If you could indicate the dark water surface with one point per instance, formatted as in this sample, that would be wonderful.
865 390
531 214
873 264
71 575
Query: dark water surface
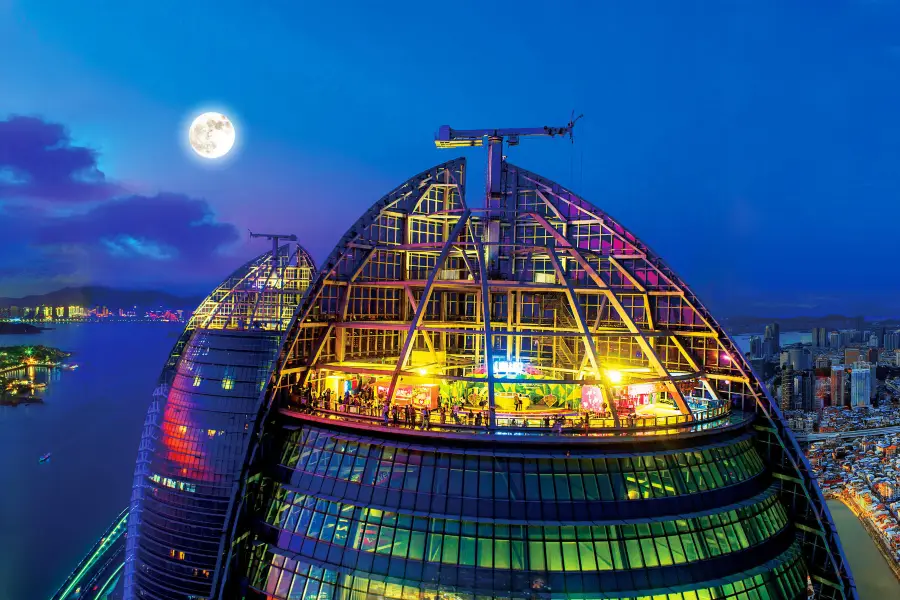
51 514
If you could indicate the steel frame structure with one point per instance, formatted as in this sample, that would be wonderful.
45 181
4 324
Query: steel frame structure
426 280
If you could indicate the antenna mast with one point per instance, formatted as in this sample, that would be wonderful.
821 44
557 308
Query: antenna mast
274 237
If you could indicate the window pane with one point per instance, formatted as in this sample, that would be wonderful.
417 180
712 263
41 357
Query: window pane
485 552
536 556
501 554
554 556
570 556
451 549
417 545
467 551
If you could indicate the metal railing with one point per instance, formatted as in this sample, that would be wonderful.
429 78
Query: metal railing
476 420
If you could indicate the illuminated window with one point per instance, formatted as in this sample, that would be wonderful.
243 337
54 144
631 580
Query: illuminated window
228 379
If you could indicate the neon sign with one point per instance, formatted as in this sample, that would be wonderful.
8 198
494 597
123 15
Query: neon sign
509 367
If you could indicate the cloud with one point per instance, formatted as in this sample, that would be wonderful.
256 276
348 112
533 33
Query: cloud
38 161
90 231
167 227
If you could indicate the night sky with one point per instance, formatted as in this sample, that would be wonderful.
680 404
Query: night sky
755 145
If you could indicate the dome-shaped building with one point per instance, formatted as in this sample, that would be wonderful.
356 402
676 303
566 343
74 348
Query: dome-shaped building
513 397
507 396
198 432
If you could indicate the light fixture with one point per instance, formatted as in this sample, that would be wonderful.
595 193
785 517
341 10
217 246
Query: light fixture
614 376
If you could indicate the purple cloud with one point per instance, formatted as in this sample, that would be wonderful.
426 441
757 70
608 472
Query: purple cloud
89 233
37 160
165 227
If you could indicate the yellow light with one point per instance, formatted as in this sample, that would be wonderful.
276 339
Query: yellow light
614 376
423 372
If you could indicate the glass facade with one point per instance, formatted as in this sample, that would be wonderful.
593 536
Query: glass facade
515 398
783 577
511 400
489 522
198 429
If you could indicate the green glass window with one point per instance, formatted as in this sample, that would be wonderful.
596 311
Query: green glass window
570 556
536 556
501 554
485 552
467 551
450 553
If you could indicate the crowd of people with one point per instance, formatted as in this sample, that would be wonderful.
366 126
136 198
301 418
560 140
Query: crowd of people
449 412
472 412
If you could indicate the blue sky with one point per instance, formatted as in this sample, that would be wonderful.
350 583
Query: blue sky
754 145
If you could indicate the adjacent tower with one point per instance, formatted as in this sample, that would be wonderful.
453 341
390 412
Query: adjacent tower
200 427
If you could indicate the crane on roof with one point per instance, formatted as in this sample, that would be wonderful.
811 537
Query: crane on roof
288 237
448 137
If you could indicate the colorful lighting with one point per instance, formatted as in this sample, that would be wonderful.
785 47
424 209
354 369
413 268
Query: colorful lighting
614 376
509 367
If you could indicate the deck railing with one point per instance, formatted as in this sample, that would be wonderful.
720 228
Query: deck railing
560 422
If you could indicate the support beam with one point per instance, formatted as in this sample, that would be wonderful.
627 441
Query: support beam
646 349
423 302
488 337
589 347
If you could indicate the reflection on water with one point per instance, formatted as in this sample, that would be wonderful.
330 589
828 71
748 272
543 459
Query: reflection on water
90 420
874 578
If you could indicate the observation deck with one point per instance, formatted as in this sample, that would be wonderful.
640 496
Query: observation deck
534 427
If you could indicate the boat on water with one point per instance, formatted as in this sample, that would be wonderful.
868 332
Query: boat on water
44 458
68 367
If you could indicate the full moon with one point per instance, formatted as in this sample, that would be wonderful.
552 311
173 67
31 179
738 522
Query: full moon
211 135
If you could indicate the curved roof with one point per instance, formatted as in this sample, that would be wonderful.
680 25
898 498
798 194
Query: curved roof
428 286
199 427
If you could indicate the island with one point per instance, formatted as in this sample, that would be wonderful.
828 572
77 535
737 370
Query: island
15 391
9 328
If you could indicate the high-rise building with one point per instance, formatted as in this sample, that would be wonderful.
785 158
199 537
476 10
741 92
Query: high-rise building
847 337
860 323
756 346
891 340
787 389
852 355
861 384
872 355
873 341
834 339
199 430
799 357
434 297
838 386
879 336
773 338
819 337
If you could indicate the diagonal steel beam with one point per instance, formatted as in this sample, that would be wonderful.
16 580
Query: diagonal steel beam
488 337
587 338
647 350
423 301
